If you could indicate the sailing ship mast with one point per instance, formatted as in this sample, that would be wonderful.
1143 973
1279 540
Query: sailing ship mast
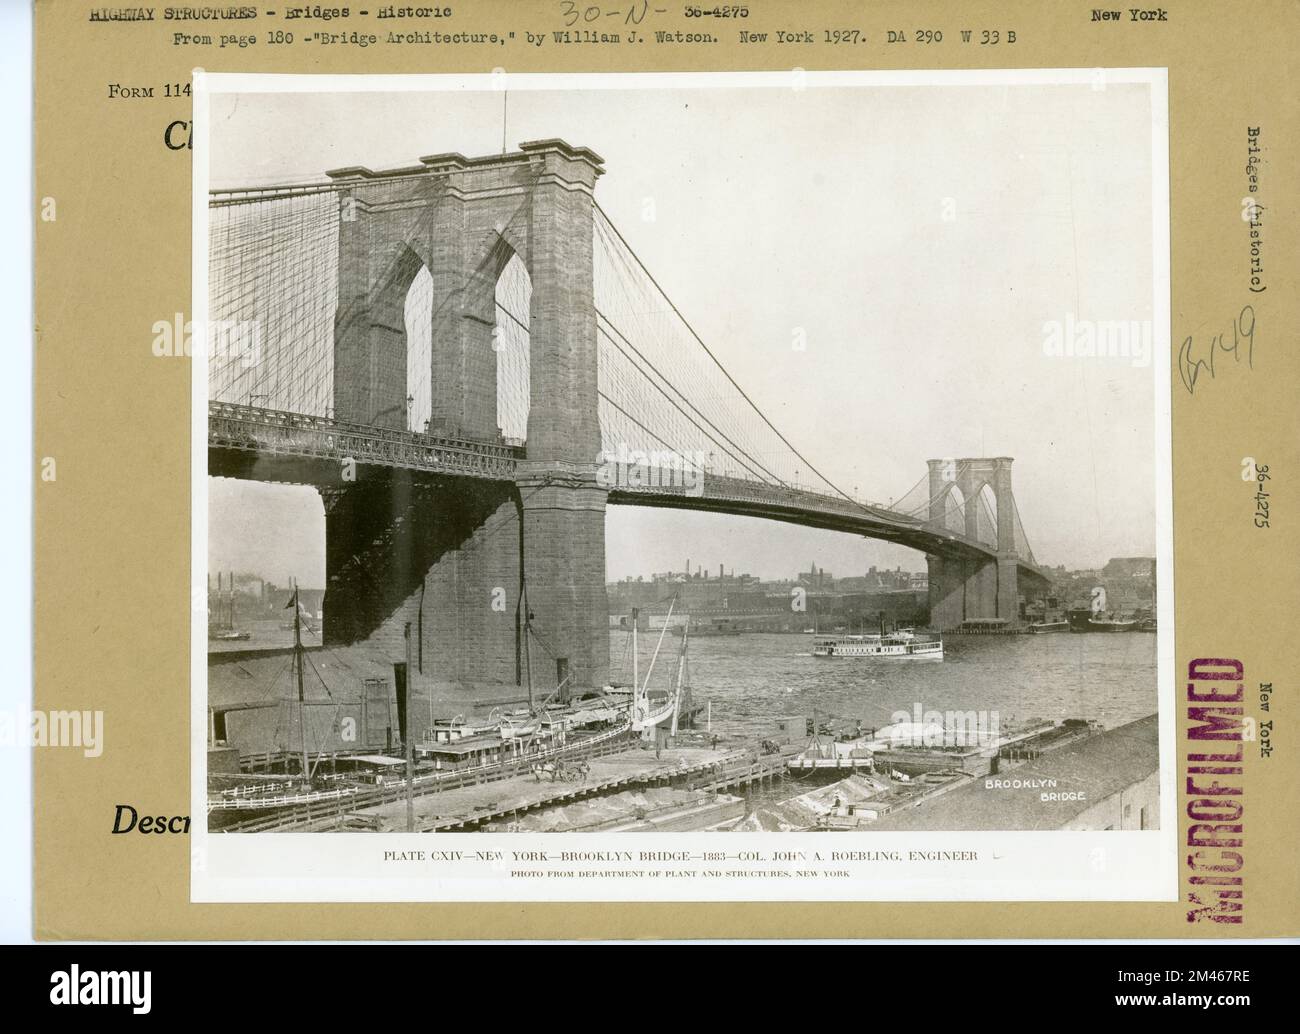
636 671
658 643
681 672
297 665
528 648
641 692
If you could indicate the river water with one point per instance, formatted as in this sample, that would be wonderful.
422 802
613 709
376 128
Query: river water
752 679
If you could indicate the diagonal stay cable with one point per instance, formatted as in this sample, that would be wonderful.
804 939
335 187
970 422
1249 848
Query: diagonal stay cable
682 396
635 420
686 323
673 403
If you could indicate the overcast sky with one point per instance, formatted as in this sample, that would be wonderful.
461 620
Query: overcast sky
921 237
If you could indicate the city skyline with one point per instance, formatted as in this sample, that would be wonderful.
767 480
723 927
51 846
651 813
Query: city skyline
290 539
690 567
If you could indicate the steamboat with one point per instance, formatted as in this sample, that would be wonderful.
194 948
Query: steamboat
900 644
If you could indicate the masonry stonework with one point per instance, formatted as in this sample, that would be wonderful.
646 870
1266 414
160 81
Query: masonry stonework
443 557
967 588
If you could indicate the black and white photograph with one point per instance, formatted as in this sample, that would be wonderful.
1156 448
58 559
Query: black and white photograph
722 455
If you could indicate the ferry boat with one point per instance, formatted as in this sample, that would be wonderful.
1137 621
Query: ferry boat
901 643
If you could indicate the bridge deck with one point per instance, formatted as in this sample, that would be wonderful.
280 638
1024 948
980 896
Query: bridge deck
273 445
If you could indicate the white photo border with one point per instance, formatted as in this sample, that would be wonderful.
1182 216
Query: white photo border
1111 865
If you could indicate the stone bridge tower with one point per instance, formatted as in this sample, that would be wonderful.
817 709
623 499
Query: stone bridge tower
974 587
452 558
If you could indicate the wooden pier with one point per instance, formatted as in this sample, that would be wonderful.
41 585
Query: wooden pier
690 768
472 800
